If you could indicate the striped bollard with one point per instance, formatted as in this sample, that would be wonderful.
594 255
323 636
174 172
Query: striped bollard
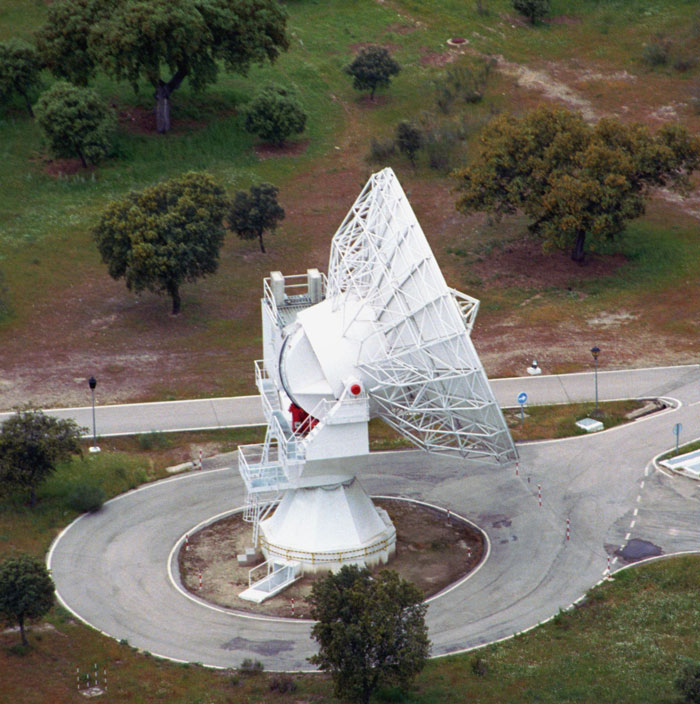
517 468
200 460
77 677
187 542
469 552
568 529
539 494
200 580
449 514
292 607
104 678
608 565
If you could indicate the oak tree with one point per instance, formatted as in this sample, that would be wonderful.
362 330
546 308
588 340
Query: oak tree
372 68
371 631
161 41
275 114
579 184
255 212
26 590
31 445
75 122
20 68
165 235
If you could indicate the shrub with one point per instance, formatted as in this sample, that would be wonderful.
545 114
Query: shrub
478 666
75 122
462 84
86 498
251 667
441 147
153 440
657 51
688 682
283 684
380 150
534 10
409 139
275 114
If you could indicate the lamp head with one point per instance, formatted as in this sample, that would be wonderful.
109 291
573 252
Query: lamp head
595 351
92 382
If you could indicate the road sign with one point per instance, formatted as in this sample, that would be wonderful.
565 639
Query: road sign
677 429
522 398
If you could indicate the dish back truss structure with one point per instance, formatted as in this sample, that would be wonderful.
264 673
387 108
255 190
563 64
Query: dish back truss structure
382 336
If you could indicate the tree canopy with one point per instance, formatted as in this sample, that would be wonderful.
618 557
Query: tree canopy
161 41
579 184
31 444
165 235
75 122
255 212
20 68
534 10
371 631
26 590
372 68
275 114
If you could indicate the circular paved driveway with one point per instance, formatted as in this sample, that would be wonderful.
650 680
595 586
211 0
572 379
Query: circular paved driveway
111 568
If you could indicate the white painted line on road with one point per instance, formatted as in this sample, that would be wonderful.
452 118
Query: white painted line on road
639 498
646 471
632 524
694 403
627 536
177 430
636 512
614 561
641 486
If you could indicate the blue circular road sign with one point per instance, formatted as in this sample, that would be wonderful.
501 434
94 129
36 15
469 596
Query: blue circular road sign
522 398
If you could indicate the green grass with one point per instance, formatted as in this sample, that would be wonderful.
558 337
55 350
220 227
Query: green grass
559 421
688 447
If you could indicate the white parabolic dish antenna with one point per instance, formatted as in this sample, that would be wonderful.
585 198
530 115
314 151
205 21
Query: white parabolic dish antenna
383 336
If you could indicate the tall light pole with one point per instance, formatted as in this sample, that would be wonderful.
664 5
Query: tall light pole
595 351
92 382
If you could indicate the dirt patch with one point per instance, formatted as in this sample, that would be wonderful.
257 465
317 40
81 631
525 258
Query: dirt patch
272 151
358 46
399 28
366 102
140 120
438 58
522 263
430 552
67 167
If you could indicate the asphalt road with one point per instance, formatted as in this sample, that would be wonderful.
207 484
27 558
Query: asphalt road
112 569
205 414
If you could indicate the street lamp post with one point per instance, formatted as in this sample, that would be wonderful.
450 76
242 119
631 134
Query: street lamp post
595 351
92 382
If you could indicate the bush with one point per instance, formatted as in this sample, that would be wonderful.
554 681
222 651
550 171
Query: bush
380 150
534 10
409 139
75 122
251 667
442 147
283 684
462 84
688 682
372 68
479 667
153 440
86 498
657 51
275 114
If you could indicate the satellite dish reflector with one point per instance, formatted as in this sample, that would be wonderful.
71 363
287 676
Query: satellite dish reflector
390 319
382 336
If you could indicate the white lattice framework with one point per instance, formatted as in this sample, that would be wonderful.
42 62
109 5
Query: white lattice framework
424 376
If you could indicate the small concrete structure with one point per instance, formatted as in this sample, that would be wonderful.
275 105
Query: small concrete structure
687 464
590 425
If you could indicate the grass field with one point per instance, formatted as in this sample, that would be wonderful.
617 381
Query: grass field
67 316
67 320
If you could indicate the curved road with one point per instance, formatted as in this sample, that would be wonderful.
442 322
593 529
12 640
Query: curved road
111 568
